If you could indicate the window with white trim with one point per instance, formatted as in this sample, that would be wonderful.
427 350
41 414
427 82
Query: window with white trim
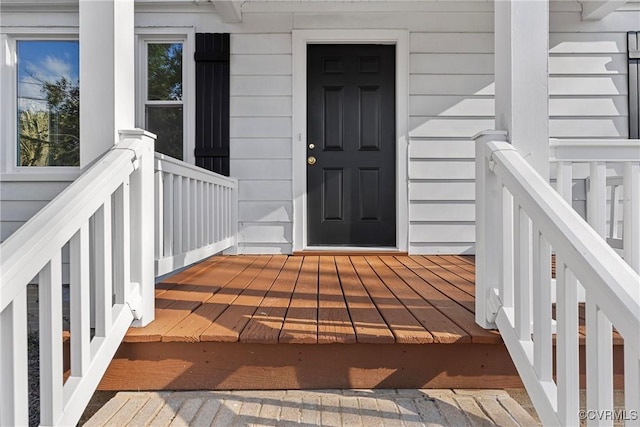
47 102
163 95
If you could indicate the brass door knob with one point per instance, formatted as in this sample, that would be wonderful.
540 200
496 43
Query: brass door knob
311 160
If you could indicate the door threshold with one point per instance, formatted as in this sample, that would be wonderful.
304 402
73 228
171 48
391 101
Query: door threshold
348 251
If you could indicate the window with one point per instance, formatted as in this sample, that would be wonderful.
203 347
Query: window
164 108
48 100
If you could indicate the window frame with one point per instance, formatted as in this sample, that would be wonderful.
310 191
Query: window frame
8 96
186 36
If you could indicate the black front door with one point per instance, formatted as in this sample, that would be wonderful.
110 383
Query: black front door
351 145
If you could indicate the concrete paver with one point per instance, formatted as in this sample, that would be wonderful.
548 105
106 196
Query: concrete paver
314 407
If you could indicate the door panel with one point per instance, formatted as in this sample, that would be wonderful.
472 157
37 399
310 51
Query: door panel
351 125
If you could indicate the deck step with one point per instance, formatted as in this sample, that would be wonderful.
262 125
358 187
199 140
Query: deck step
410 407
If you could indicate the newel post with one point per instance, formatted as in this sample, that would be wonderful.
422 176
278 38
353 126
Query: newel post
488 229
140 295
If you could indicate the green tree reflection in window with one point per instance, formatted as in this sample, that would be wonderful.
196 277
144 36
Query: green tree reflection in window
48 103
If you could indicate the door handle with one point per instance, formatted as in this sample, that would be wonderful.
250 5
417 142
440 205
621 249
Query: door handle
311 160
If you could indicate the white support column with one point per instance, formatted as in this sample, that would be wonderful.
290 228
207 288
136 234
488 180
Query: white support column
521 75
107 74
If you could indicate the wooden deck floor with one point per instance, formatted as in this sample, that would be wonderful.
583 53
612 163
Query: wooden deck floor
319 299
309 322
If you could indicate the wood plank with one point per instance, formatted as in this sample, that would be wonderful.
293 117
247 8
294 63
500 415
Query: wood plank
456 266
301 322
405 327
369 325
237 366
228 326
457 314
450 276
334 323
439 326
452 292
192 271
265 325
189 328
177 303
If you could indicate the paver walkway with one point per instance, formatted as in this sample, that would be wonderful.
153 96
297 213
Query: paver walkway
311 408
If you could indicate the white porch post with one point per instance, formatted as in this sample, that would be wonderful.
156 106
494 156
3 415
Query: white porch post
521 76
522 112
107 74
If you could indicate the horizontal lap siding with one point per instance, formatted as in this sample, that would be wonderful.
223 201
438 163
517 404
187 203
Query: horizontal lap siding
452 97
261 140
20 200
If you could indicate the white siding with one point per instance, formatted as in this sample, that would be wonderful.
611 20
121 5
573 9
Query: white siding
451 98
261 140
20 200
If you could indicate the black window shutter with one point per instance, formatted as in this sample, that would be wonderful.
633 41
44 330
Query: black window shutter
634 84
212 102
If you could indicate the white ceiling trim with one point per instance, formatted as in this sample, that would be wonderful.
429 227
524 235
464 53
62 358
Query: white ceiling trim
593 10
229 10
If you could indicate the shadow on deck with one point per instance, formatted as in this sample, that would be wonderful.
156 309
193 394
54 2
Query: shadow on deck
308 322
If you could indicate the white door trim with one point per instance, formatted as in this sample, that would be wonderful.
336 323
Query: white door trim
300 40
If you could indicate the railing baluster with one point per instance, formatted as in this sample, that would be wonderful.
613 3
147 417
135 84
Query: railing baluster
614 211
522 273
103 269
631 214
599 361
186 214
14 393
542 333
567 344
178 207
79 302
121 242
199 229
159 214
206 214
50 313
217 202
506 279
597 200
167 226
632 380
193 217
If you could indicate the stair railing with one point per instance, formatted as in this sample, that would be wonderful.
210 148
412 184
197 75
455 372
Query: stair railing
520 218
113 199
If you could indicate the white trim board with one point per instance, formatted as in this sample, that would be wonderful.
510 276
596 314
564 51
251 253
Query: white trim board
300 40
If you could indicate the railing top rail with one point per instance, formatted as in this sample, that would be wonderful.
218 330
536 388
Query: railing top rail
178 167
589 150
589 257
28 250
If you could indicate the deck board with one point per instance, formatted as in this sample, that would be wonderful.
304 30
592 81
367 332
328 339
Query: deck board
189 328
312 299
334 323
301 323
368 323
228 326
405 327
266 323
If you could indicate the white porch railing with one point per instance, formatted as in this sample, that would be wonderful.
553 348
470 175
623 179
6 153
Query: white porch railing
612 169
520 218
106 217
115 196
195 213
